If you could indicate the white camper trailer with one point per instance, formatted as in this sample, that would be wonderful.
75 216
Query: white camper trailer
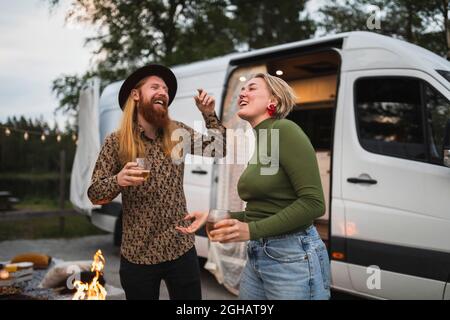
377 111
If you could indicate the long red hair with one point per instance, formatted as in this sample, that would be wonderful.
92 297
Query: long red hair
131 144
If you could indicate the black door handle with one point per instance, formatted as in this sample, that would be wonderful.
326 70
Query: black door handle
363 181
199 172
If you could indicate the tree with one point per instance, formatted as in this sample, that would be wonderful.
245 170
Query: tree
437 13
19 155
423 22
134 33
262 23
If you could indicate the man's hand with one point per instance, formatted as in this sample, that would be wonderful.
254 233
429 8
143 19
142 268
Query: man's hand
205 103
230 230
199 218
129 175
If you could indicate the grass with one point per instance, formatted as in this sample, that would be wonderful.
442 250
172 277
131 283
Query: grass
47 227
31 175
33 203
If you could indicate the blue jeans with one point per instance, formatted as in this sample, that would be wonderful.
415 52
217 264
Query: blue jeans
293 266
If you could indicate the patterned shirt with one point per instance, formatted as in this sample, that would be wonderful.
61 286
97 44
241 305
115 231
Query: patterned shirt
152 210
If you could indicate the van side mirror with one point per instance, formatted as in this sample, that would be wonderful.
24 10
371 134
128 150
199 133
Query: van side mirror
446 145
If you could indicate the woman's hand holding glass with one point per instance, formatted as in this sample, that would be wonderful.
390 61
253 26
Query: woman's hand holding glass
230 230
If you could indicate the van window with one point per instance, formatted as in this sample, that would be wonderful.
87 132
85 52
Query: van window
389 117
438 113
445 74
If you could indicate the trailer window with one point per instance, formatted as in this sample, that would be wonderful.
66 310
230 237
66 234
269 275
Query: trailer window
389 117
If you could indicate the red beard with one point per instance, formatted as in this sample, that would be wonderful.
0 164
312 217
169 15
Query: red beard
156 115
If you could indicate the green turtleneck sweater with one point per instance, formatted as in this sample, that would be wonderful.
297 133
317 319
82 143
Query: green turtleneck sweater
286 198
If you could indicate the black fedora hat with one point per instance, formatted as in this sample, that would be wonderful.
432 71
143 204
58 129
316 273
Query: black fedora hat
150 70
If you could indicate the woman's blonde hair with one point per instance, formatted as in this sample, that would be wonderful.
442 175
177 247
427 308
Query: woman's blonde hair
131 145
281 91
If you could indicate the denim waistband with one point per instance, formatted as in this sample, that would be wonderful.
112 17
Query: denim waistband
310 231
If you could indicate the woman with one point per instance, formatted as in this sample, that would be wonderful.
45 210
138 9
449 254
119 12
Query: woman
286 257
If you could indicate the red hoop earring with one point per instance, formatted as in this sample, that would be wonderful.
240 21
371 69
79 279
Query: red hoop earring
271 109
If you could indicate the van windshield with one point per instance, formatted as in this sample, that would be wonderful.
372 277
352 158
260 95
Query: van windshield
445 74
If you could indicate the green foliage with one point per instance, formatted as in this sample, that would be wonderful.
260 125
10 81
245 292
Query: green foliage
47 228
67 89
262 23
31 167
423 22
34 155
134 33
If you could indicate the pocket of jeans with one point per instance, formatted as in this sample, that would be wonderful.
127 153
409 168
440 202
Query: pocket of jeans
285 250
324 262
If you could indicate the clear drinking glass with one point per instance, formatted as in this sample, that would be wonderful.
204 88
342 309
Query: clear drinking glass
144 165
214 216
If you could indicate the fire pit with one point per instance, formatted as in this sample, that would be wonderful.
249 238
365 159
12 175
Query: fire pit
88 285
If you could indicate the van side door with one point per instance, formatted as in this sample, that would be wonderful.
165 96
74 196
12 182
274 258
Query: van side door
395 188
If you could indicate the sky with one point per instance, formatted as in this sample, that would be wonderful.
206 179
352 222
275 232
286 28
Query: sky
36 47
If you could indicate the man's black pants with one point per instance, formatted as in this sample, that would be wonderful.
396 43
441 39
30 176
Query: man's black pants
182 278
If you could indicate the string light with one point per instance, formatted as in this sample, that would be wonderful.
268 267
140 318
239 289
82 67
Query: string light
43 135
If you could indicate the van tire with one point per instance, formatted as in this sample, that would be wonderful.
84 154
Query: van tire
117 236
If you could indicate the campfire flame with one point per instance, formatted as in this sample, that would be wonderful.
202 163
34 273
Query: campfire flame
93 290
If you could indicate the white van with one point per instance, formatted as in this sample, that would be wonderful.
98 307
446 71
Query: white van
377 111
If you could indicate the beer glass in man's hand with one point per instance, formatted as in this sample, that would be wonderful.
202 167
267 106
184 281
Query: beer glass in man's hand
214 216
130 175
144 165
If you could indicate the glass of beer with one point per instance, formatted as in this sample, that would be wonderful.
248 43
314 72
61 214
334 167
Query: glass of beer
144 165
214 216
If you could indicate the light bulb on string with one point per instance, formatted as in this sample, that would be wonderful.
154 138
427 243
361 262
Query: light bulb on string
43 137
58 138
7 132
26 136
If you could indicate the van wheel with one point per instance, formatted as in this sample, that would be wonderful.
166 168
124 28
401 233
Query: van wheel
117 237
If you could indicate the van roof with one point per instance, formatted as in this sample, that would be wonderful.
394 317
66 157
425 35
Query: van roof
367 50
360 49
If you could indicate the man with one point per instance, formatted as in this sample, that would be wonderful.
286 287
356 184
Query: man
152 249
